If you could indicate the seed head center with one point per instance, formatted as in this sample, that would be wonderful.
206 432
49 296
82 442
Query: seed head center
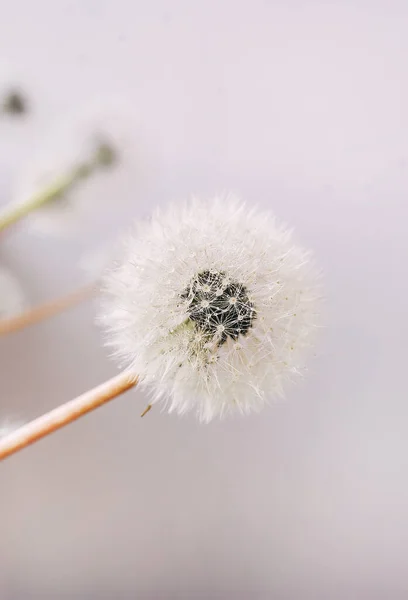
219 306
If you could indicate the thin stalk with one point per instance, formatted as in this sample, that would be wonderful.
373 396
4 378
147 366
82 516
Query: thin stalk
13 212
103 157
46 310
65 414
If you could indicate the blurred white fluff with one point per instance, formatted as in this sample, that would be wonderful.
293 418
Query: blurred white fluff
92 199
212 306
12 298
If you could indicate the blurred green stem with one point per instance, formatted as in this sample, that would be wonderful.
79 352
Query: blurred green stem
14 212
103 158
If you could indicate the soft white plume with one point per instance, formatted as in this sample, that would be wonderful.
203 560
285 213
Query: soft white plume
212 305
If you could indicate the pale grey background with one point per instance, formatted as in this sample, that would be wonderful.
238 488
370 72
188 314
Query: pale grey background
300 106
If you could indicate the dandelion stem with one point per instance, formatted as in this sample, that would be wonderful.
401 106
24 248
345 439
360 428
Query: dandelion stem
65 414
46 310
13 212
104 156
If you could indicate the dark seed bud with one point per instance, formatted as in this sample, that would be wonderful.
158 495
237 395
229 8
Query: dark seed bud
219 306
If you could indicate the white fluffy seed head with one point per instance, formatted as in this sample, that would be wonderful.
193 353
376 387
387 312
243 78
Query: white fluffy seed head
12 298
212 306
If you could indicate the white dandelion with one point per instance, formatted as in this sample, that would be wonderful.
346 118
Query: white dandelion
212 306
12 297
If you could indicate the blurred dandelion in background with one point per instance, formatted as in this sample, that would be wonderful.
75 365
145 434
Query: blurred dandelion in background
81 171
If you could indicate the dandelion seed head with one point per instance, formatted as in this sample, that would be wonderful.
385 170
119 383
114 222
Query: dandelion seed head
202 306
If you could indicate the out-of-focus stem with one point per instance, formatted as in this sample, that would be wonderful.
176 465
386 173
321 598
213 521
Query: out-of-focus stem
13 212
46 310
103 157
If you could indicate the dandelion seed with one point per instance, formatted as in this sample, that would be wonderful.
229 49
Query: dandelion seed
211 333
